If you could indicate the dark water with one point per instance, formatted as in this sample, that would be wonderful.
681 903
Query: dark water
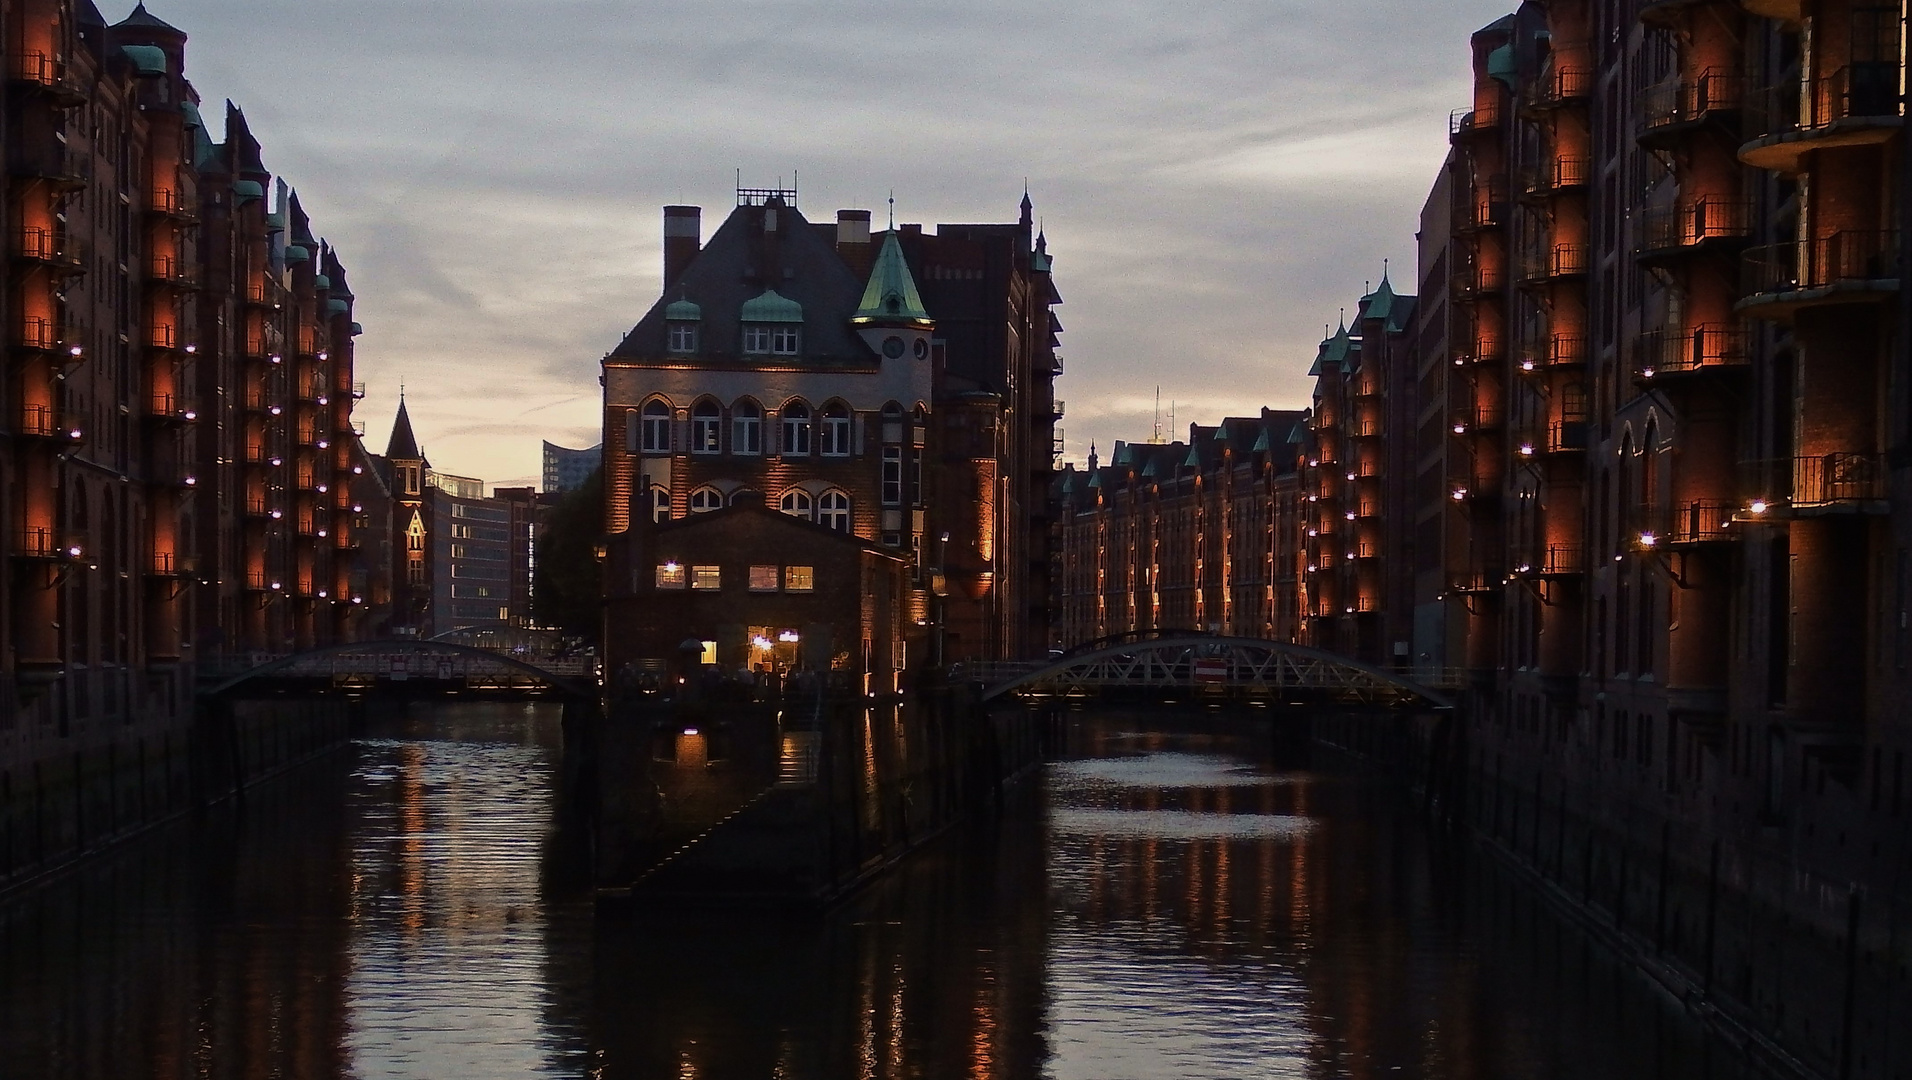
1167 905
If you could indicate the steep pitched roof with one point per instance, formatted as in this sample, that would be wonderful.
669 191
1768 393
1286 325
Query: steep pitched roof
403 443
142 17
891 296
730 271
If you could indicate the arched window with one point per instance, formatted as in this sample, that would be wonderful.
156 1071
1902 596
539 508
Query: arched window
656 436
796 430
833 433
796 503
705 499
706 427
834 510
746 428
660 504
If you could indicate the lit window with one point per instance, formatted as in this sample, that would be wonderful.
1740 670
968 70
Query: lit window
706 426
799 578
756 339
670 575
796 430
834 510
763 579
796 503
746 434
657 428
834 432
706 578
706 499
786 340
683 337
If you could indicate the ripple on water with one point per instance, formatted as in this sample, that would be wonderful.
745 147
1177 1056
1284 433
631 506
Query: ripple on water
1162 770
1176 825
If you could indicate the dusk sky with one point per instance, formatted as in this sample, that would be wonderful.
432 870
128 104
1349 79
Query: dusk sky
1217 180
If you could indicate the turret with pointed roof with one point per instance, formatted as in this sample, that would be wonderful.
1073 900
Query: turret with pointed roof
891 298
403 445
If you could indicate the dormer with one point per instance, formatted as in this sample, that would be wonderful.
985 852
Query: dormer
772 325
683 328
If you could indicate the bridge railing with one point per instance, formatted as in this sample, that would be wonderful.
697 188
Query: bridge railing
376 663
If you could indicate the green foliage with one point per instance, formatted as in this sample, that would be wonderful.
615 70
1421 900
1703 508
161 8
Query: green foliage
568 591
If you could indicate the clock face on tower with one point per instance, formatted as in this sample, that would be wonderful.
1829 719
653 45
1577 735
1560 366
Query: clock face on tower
893 347
922 348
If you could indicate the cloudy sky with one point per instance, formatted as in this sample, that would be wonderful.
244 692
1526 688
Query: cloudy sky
1217 179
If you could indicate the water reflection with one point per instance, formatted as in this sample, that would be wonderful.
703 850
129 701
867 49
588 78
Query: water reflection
1166 905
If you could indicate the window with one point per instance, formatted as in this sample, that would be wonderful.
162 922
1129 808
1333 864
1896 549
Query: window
656 437
796 503
763 579
834 510
834 432
799 579
706 578
756 339
660 504
705 499
683 337
706 428
670 575
796 430
786 340
892 476
746 428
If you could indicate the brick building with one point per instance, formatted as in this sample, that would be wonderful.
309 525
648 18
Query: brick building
896 387
1201 535
176 443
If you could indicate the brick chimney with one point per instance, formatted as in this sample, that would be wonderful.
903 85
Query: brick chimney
683 239
853 241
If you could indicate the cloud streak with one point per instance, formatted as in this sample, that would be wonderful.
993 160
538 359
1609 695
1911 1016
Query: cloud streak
1216 180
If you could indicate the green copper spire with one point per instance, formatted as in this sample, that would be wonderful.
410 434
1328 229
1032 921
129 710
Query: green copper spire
891 296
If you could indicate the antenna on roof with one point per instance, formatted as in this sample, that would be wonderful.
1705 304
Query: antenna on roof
892 209
1157 436
1384 269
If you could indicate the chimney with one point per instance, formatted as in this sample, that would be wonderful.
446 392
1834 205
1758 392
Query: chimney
853 240
683 239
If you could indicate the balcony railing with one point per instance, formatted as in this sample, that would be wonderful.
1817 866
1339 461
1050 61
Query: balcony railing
35 542
1851 258
173 203
1561 86
170 564
1475 121
1661 354
1471 282
48 246
1476 418
1704 521
1850 95
47 74
1483 205
1556 560
54 162
171 407
1478 579
1831 479
1560 174
1559 261
172 270
1671 105
46 422
1670 228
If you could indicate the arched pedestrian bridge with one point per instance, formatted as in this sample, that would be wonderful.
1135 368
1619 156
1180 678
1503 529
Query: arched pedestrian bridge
1182 666
403 666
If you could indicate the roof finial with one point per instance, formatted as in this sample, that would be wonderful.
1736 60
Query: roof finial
892 209
1384 271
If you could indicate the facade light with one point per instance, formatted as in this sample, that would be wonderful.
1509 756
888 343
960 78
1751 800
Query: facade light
1526 449
1648 539
1460 429
788 637
1460 494
1758 506
1646 373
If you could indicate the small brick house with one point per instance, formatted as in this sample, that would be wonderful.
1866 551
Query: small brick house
765 591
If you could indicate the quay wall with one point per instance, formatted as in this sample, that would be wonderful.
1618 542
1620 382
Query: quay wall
1789 935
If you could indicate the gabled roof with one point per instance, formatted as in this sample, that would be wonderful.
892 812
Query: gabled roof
891 296
1336 351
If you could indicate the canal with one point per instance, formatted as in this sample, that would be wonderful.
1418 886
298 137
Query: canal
1164 903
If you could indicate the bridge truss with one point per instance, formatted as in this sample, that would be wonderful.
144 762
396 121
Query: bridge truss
1233 668
422 665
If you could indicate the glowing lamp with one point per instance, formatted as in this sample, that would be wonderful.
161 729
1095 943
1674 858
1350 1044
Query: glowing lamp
788 637
1526 449
1460 429
1648 539
1460 494
671 567
1526 365
1646 373
689 730
1758 506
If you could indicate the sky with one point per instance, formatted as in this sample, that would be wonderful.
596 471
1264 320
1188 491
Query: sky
1217 180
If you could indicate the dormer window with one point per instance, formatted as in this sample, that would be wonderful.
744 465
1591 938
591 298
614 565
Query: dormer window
772 325
681 320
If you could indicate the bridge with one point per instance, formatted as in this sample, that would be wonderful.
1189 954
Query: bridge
409 666
1178 664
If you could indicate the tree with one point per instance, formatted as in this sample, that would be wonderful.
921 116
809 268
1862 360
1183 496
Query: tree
568 591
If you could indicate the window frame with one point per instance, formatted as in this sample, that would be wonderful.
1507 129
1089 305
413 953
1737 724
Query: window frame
796 441
756 339
707 493
800 579
707 578
840 517
746 428
806 512
786 339
834 427
681 337
707 428
654 427
772 571
671 576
